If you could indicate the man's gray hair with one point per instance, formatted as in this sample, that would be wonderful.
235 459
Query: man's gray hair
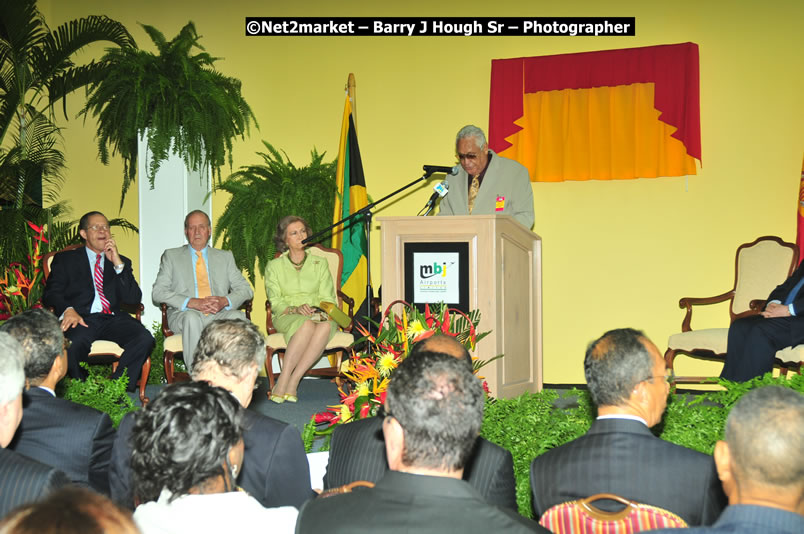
12 377
234 346
471 130
614 364
202 212
39 333
765 431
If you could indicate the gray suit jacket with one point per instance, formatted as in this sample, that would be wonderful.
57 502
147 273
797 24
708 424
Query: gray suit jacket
175 282
504 178
357 452
23 480
69 436
622 457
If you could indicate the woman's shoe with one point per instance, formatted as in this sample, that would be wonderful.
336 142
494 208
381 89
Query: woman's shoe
279 399
291 398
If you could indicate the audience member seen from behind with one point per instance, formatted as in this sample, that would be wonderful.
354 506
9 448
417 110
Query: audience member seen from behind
761 464
434 410
275 469
72 437
70 511
295 282
626 377
187 451
22 480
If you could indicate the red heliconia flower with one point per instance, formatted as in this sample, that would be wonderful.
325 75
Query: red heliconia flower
486 388
326 417
381 397
37 229
364 410
423 335
445 322
428 317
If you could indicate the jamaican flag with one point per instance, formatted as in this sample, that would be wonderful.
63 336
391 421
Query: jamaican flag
350 197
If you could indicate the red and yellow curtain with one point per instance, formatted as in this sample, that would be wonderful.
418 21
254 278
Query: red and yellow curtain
614 114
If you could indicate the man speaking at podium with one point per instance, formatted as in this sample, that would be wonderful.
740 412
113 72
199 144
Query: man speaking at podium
487 184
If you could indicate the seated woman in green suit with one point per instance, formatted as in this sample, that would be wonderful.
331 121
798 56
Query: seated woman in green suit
295 282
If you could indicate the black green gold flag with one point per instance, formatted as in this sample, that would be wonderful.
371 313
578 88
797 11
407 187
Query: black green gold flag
351 197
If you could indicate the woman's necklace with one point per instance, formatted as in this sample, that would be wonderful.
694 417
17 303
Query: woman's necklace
298 266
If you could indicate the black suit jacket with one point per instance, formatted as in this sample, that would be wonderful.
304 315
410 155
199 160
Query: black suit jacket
402 502
357 452
275 469
622 457
70 283
23 480
72 437
780 294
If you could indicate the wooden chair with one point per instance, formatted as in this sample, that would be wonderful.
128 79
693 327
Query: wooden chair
173 344
103 351
759 267
343 339
581 516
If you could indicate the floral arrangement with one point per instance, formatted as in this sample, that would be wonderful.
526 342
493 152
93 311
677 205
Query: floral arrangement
368 374
21 285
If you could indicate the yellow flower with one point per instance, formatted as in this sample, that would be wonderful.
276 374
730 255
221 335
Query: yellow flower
346 414
362 389
386 364
415 328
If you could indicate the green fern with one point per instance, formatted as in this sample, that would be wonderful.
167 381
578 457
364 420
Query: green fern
177 97
260 195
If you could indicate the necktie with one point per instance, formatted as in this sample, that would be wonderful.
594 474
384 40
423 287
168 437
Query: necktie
98 278
201 277
794 293
473 192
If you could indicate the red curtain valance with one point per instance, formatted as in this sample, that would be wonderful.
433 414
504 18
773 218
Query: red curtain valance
672 68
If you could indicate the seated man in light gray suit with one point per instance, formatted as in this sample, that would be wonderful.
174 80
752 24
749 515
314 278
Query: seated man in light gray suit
761 465
22 480
199 284
626 377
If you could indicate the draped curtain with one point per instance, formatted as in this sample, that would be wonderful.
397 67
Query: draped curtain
614 114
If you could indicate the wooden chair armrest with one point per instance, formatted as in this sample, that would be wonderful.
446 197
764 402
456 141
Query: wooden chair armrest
134 309
247 307
757 305
351 304
269 322
166 331
689 302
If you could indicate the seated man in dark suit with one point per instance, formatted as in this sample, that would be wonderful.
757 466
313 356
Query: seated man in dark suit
626 377
275 469
357 450
69 436
754 340
761 465
434 410
85 288
22 480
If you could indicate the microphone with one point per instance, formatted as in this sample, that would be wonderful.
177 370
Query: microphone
430 169
440 190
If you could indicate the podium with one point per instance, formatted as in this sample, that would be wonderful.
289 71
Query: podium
502 264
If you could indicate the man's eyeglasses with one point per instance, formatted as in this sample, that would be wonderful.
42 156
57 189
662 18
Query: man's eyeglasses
467 156
668 376
382 412
99 227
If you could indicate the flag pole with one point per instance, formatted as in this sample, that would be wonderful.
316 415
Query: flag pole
351 90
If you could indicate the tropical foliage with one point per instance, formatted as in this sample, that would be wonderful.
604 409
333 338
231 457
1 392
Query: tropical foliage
37 71
369 374
21 285
175 98
262 194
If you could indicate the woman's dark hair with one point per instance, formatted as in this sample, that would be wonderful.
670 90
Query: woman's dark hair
182 439
282 228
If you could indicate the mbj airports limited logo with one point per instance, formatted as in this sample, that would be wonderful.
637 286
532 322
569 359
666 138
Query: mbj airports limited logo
436 269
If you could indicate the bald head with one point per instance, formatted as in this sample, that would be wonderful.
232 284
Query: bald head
445 345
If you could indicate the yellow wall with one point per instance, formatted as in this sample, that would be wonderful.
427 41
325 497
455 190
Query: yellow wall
615 253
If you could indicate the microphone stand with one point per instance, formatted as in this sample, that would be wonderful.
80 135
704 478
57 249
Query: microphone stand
367 215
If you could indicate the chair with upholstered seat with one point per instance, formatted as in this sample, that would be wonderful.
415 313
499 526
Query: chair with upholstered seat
104 351
343 339
760 266
582 516
173 344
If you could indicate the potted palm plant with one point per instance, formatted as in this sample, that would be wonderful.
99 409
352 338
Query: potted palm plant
175 98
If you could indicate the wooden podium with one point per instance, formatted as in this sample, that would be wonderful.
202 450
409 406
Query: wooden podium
505 284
